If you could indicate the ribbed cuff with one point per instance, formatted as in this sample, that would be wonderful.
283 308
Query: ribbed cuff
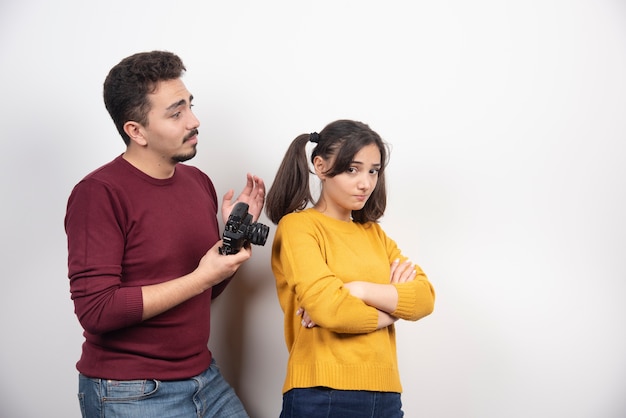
406 301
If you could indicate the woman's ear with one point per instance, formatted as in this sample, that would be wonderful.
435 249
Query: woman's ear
319 165
136 133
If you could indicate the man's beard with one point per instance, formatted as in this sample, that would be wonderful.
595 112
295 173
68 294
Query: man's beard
181 158
184 157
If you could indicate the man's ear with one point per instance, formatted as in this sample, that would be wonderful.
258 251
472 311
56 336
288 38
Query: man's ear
319 165
136 132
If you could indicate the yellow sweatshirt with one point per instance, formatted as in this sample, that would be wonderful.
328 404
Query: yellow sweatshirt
313 255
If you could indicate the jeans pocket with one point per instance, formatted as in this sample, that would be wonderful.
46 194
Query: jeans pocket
129 390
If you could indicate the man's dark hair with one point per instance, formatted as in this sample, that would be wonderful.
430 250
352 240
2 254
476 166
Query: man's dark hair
128 84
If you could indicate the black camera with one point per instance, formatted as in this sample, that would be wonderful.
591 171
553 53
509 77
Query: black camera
240 230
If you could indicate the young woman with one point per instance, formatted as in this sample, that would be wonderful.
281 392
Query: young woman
341 282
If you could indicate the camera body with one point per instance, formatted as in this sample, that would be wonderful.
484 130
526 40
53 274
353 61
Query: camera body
239 230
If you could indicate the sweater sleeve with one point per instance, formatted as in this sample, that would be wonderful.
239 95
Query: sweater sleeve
301 269
93 224
416 299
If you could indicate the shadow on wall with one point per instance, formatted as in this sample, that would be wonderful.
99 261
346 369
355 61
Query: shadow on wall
232 314
228 319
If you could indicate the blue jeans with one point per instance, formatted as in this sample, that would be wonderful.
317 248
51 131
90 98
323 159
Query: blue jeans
321 402
205 395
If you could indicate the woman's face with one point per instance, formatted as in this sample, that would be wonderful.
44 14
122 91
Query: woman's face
348 191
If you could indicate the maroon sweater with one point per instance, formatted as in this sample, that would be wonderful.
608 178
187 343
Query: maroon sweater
126 230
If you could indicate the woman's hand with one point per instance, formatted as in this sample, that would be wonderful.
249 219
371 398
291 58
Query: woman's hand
382 297
306 322
402 273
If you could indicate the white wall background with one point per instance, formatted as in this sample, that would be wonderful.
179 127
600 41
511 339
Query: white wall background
507 181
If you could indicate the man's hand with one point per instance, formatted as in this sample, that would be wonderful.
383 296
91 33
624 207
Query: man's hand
214 267
253 194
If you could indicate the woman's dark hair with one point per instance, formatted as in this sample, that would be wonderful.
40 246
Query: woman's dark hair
128 84
341 139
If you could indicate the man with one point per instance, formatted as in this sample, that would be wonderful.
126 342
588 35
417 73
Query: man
143 255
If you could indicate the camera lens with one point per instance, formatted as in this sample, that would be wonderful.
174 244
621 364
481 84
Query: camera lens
258 233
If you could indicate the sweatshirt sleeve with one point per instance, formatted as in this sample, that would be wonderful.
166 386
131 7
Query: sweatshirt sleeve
305 280
416 299
95 237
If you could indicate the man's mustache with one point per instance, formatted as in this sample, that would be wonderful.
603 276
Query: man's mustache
190 134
